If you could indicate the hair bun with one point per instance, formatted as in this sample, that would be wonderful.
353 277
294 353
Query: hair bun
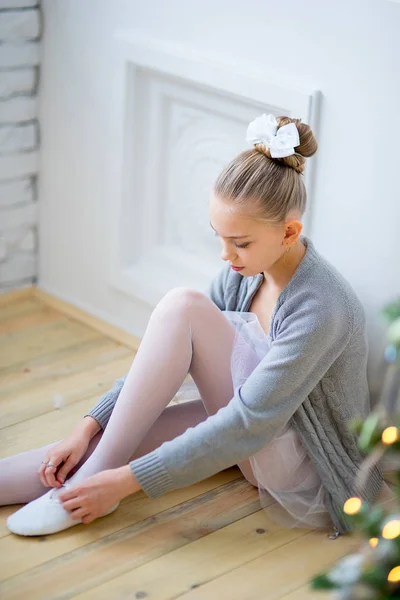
307 147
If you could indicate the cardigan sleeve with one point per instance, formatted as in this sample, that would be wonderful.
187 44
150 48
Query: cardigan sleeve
104 407
307 343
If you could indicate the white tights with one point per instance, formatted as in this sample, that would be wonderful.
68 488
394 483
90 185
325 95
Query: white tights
186 333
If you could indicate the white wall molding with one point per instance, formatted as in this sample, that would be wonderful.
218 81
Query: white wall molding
179 119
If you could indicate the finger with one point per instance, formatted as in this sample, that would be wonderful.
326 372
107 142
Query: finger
46 470
73 504
41 473
69 494
65 469
88 519
50 474
79 513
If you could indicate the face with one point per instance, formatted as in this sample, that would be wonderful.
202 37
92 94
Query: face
246 242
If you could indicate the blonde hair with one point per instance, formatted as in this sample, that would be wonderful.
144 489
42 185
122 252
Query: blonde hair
275 186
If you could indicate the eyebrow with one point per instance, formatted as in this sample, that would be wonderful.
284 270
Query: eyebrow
232 237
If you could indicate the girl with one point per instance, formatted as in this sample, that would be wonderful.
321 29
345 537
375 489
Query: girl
278 353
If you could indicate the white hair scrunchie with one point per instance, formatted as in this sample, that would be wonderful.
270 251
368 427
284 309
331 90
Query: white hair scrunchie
281 142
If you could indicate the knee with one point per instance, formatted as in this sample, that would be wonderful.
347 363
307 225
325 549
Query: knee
248 473
181 299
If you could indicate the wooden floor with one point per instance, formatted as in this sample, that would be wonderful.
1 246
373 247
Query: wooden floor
208 541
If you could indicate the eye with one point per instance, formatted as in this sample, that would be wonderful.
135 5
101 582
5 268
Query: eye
236 245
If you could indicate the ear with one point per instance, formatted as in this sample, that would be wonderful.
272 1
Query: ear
293 231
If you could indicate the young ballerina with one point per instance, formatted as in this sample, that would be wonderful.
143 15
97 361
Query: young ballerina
277 351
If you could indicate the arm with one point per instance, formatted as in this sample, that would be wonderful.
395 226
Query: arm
308 341
101 412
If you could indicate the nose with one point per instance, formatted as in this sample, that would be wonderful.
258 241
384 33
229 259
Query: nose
226 253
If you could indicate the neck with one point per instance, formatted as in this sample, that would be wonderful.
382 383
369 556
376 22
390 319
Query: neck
282 271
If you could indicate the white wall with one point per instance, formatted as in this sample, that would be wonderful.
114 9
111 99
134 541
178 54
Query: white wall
349 49
19 140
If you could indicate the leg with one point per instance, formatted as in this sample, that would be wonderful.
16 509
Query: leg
186 333
186 321
20 483
19 480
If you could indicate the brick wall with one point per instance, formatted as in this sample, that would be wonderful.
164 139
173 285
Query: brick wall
20 30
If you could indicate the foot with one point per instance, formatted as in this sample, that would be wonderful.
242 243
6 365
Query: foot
44 515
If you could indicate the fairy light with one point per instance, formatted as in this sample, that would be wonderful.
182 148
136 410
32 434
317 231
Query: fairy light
390 435
352 506
373 542
391 529
394 574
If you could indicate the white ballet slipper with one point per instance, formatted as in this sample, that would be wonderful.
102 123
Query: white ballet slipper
44 515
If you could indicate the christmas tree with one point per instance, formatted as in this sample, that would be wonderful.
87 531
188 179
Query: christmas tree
373 573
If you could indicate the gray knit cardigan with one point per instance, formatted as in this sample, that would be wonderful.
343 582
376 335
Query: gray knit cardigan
314 375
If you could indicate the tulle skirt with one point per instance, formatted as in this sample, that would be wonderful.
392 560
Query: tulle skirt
290 490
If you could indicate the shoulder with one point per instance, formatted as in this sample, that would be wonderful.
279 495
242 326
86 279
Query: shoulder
338 294
322 296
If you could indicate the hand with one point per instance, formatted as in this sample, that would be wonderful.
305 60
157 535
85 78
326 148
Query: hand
67 453
96 495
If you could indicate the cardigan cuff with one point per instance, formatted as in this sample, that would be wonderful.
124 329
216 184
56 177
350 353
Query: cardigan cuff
102 411
152 475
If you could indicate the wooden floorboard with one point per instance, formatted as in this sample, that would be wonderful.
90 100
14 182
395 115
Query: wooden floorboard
207 541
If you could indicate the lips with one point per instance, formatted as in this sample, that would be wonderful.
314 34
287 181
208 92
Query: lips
236 268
